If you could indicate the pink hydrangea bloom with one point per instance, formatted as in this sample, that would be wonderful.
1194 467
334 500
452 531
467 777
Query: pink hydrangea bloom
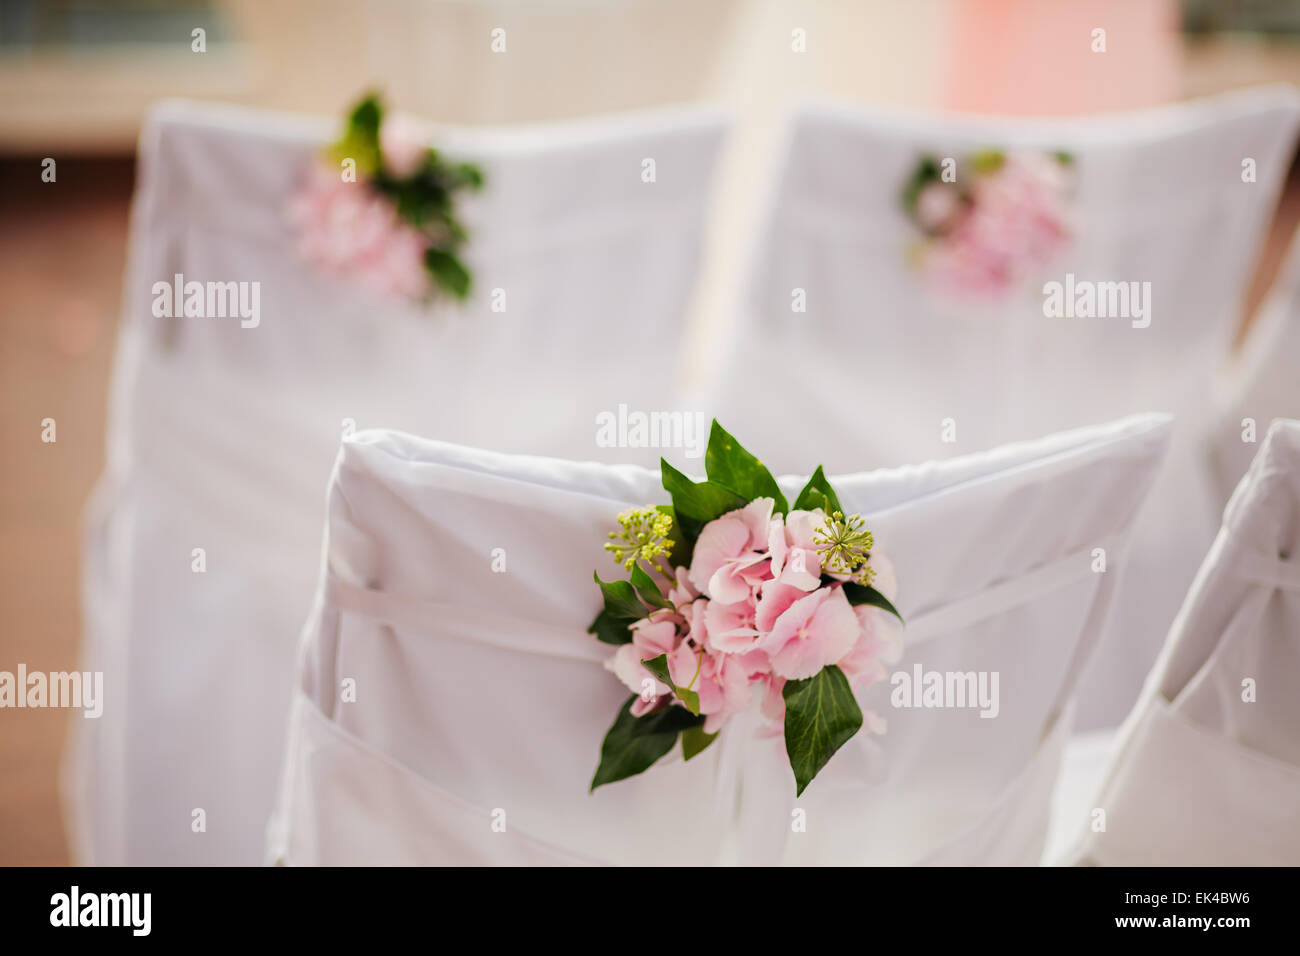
348 230
816 630
937 206
729 559
404 143
752 612
1017 221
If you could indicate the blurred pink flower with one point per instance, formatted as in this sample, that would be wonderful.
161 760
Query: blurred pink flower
404 143
937 206
348 230
1017 221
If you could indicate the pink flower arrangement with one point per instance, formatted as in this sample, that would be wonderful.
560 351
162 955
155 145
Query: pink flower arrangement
377 209
348 231
752 610
991 231
774 604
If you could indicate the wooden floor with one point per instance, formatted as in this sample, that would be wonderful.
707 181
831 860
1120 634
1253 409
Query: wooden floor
62 251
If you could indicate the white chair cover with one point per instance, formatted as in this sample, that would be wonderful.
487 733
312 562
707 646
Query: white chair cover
1207 771
477 691
878 355
221 437
1263 382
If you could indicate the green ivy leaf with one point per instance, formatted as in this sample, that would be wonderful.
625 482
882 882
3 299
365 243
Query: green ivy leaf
646 587
360 141
927 171
818 493
466 174
366 118
696 741
866 594
422 201
696 503
634 743
659 667
821 715
622 607
620 599
729 464
611 630
448 272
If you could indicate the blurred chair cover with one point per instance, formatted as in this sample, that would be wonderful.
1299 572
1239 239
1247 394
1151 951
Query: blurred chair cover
1262 383
221 438
450 711
1160 197
1207 768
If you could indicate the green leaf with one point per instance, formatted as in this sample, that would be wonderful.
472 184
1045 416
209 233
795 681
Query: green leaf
727 463
366 118
659 667
634 743
696 503
422 201
927 171
620 599
646 587
695 741
818 493
866 594
466 174
448 271
360 140
622 606
821 715
611 630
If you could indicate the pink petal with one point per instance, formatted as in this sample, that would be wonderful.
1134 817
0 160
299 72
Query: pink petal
776 546
732 581
774 599
721 540
730 626
803 570
825 637
654 635
756 516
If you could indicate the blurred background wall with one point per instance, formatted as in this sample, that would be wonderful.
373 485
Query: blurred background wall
76 77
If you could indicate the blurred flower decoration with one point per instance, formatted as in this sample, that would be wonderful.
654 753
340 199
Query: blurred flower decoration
379 208
988 231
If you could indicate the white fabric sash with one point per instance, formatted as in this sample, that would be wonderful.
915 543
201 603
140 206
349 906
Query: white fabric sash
336 780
